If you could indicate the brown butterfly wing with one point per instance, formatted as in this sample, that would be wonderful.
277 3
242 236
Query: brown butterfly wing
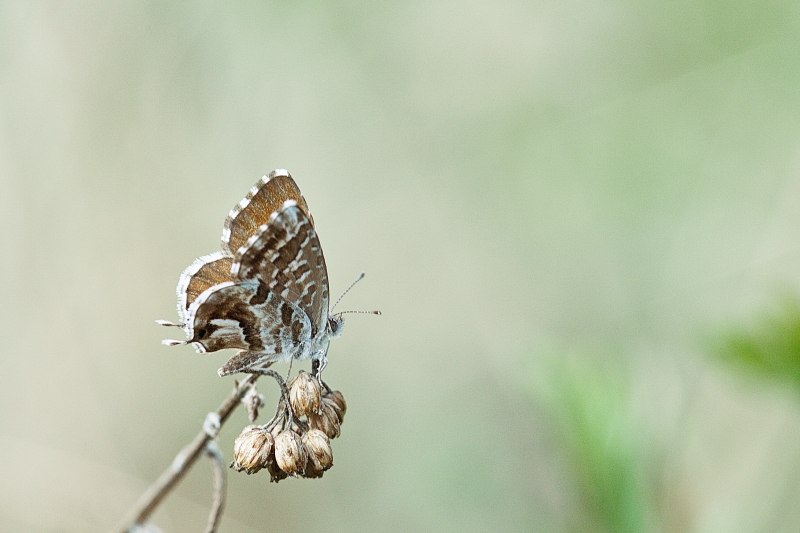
264 198
286 255
247 316
205 272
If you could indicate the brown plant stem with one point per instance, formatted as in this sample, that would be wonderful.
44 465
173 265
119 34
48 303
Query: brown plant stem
185 459
218 503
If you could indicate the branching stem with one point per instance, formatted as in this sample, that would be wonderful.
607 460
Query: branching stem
218 503
183 462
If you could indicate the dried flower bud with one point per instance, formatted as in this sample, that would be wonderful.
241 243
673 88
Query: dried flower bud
327 422
329 411
318 446
336 400
290 454
311 471
275 472
304 394
253 401
252 449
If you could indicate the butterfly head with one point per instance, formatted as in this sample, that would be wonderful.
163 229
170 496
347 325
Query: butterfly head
335 326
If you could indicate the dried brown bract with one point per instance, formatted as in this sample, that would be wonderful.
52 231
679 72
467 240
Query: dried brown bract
290 454
253 401
318 446
252 449
305 394
328 422
336 400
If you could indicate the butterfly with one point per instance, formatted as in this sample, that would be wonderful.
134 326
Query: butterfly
266 292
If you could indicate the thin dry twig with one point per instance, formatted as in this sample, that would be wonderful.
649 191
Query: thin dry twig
153 496
218 503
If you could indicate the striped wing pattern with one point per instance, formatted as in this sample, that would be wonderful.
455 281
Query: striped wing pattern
201 275
255 209
286 255
266 292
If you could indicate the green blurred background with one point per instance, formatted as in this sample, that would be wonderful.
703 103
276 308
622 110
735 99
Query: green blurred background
580 220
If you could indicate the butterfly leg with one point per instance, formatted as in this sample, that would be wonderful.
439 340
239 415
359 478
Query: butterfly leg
319 359
289 373
318 365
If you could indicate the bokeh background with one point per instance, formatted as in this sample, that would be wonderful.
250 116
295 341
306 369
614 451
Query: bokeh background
581 221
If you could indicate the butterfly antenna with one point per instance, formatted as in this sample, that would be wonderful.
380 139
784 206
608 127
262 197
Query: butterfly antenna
359 278
340 313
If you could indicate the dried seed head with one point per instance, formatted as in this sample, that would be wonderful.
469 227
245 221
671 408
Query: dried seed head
337 404
327 422
275 472
311 472
305 394
318 446
328 411
290 454
336 400
252 449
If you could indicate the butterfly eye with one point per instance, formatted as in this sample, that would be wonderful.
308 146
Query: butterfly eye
201 333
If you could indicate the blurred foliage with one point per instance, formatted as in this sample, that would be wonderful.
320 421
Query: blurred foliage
613 454
595 424
770 347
